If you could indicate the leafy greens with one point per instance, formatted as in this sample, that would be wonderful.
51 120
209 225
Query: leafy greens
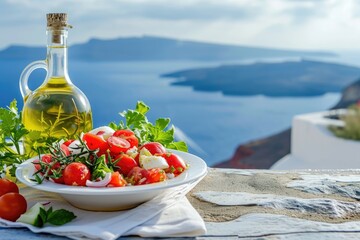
137 121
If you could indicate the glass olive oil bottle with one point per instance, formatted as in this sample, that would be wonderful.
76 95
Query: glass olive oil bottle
57 108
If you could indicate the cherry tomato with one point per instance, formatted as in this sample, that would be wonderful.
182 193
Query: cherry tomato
156 175
125 163
116 180
76 174
12 205
117 145
176 163
7 186
137 176
127 135
154 148
96 142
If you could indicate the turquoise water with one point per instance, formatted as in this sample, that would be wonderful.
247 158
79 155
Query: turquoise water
212 123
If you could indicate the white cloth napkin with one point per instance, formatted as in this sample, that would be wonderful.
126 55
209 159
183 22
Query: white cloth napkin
168 215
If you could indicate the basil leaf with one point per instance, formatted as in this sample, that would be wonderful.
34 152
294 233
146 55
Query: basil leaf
43 217
60 217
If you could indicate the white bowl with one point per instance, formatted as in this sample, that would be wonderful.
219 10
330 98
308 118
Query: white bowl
113 199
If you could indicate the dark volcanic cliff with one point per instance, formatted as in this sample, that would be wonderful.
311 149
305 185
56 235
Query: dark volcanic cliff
263 153
350 95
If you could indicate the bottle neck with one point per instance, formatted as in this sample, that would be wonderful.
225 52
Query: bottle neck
57 54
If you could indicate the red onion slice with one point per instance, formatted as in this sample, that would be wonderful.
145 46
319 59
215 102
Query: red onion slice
105 132
101 183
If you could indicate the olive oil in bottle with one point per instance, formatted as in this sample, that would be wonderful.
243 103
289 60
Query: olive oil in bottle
57 108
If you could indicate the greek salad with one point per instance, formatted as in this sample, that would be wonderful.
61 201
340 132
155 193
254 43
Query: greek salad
104 157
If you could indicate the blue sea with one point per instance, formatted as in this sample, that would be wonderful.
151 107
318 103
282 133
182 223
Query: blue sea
212 124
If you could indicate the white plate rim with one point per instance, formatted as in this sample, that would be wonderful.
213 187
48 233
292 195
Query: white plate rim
197 170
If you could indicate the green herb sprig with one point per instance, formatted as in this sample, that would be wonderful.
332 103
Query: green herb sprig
99 166
58 217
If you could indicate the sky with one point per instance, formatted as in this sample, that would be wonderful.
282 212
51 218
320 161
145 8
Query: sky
291 24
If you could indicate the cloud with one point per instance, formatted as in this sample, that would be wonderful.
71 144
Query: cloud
300 15
194 10
328 25
156 9
301 24
112 18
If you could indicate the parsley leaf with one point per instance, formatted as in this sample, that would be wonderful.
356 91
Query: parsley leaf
181 146
145 131
11 132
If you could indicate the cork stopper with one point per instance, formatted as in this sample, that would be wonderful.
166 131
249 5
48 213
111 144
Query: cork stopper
57 20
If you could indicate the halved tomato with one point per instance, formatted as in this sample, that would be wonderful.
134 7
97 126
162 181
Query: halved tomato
96 142
117 145
128 135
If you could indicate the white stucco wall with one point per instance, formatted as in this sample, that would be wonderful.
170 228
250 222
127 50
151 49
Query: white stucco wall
314 146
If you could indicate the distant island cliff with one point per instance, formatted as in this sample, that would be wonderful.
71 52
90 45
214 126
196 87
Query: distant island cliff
149 48
263 153
292 78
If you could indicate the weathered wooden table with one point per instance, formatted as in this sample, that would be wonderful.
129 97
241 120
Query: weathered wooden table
264 204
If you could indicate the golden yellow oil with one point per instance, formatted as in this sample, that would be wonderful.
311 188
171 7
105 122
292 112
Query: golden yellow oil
56 109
